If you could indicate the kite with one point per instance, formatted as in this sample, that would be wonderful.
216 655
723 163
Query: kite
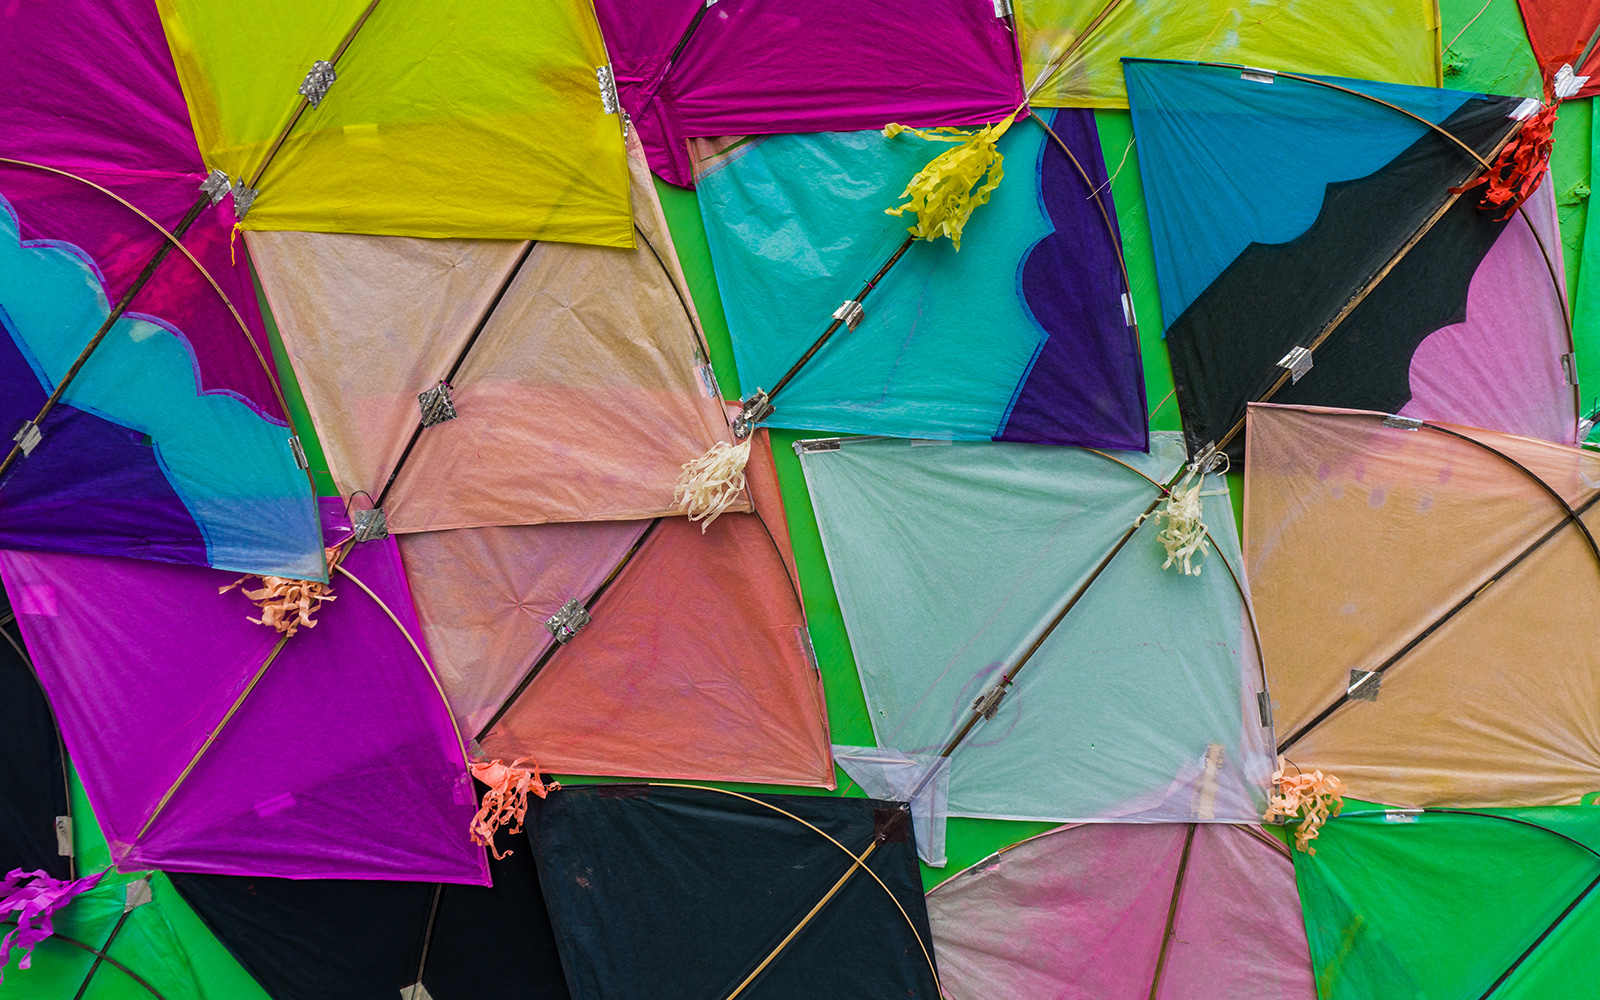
129 936
1415 583
1319 241
140 416
402 118
687 68
737 895
1107 911
1454 904
309 939
633 648
1025 334
469 383
35 820
1564 33
1071 48
1012 614
211 743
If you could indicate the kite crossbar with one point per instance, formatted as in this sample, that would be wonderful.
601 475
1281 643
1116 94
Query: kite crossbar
859 859
1455 609
100 955
173 240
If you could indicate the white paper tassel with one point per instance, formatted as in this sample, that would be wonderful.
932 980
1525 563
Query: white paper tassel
712 483
1183 534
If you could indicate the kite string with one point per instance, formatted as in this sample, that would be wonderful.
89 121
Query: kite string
1469 24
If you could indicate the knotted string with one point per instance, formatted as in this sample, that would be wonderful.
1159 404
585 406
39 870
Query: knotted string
1312 798
35 902
506 801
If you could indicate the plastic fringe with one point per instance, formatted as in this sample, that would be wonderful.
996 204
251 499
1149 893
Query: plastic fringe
941 193
712 483
1312 798
1516 172
285 603
506 801
1183 533
35 903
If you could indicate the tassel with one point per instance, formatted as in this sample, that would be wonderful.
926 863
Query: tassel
287 604
712 483
1517 171
942 193
1183 534
1312 798
35 904
506 801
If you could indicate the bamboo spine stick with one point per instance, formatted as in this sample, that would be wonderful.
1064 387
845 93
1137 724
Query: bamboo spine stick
94 966
461 359
150 268
1439 622
986 702
1172 911
856 864
305 102
758 405
555 647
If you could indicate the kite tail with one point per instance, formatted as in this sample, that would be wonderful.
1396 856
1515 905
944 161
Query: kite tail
712 483
34 904
941 193
285 603
1312 798
1183 532
1516 172
506 801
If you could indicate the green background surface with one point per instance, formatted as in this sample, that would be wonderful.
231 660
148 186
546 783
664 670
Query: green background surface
1490 55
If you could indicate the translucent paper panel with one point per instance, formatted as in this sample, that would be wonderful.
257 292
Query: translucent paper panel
765 66
1328 216
1424 555
1082 913
148 944
1072 49
580 399
951 560
696 664
205 747
1440 906
446 119
1051 357
144 457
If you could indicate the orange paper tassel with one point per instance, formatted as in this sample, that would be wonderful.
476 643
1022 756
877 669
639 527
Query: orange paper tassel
506 801
286 604
1312 798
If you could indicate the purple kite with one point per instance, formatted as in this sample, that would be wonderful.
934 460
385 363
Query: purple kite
689 68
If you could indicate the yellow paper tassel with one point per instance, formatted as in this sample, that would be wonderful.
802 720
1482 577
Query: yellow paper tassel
712 483
942 193
1312 798
1183 533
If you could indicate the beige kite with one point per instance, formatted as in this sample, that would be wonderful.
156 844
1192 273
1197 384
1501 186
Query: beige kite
1425 594
576 376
